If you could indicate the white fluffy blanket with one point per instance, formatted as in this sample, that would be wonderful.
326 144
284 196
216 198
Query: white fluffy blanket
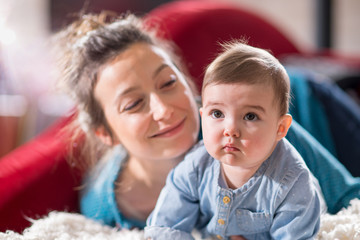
70 226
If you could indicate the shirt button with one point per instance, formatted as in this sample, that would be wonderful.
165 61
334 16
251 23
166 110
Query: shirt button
219 237
226 199
221 221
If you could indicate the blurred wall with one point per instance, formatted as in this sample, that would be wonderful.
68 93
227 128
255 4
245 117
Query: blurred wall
298 20
346 26
25 26
62 11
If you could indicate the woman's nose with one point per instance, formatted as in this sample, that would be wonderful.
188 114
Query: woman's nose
160 108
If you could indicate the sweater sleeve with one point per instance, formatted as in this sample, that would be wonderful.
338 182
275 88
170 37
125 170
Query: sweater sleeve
98 200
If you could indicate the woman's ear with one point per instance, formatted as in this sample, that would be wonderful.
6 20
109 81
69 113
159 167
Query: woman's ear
104 136
284 125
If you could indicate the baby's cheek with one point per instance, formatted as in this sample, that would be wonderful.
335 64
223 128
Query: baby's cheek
247 143
251 147
210 145
210 136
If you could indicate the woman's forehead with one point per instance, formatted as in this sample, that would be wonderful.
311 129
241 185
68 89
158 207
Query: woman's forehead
133 67
140 52
138 57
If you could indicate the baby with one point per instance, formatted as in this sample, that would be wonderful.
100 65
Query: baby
245 179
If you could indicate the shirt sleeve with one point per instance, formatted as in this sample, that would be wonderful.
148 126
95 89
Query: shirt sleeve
177 208
337 184
298 215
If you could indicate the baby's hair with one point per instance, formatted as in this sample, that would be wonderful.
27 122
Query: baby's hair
241 63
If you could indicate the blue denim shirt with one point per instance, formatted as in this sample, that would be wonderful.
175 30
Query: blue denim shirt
280 201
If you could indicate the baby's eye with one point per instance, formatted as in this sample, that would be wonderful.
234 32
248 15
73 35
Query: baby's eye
133 105
217 114
251 117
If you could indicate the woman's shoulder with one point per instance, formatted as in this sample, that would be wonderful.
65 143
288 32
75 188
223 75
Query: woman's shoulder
107 169
97 197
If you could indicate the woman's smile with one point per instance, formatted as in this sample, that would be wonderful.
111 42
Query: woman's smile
171 130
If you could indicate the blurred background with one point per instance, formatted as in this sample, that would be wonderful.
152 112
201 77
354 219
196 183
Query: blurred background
28 100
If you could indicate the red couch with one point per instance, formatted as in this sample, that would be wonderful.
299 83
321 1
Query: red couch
198 26
36 178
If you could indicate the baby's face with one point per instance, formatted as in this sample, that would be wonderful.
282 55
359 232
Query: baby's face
240 123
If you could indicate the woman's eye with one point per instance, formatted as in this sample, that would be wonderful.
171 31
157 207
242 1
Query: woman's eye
250 117
169 83
133 105
217 114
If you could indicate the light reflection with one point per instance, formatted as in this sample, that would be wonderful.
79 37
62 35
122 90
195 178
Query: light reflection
7 36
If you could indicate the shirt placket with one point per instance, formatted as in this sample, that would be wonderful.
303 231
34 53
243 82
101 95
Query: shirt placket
224 207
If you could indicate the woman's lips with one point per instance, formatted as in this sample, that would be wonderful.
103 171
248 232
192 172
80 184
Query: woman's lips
171 130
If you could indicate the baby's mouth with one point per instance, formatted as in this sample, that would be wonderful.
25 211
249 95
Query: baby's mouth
230 148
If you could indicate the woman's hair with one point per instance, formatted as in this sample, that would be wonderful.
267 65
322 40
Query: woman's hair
241 63
81 49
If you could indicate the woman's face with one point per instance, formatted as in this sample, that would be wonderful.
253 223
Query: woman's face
148 104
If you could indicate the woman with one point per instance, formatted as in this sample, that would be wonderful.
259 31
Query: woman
138 112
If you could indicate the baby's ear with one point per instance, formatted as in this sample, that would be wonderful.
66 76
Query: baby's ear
201 111
283 126
104 136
